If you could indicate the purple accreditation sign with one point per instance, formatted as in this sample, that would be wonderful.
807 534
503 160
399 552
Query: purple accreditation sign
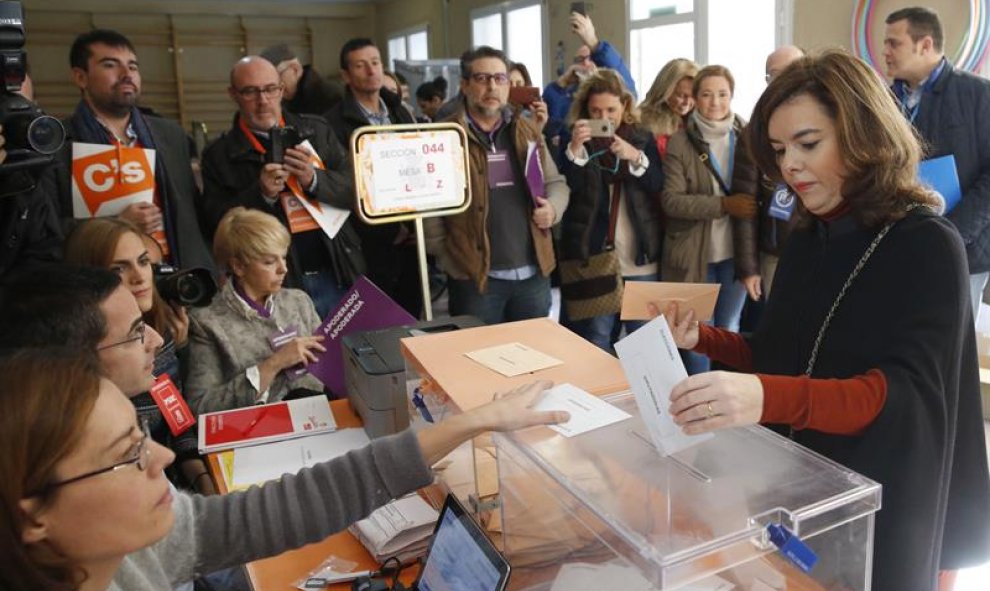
363 307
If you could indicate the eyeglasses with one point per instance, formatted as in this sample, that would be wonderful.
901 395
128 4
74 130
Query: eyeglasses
500 79
253 92
580 59
141 331
140 458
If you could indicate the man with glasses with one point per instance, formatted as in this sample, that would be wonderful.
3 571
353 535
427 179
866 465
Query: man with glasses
388 248
89 309
499 253
105 69
592 54
306 91
237 171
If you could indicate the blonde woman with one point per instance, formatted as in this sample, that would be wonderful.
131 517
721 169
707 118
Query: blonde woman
232 360
669 101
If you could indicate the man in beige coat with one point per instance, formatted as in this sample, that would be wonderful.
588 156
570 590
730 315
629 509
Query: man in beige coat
499 253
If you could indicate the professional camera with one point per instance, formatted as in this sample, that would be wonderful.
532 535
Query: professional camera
192 288
32 138
281 138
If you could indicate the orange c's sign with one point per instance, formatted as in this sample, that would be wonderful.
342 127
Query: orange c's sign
107 178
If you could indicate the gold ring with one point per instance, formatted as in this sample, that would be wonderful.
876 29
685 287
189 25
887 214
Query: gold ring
711 411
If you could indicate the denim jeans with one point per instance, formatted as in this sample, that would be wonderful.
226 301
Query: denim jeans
323 290
504 300
604 331
728 307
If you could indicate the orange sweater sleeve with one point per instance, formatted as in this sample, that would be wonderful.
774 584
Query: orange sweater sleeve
838 406
842 407
725 347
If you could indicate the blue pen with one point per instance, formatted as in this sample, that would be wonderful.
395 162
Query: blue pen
419 403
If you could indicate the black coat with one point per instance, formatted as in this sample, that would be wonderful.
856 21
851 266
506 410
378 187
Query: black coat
30 231
186 235
392 268
908 315
231 171
954 118
315 95
585 223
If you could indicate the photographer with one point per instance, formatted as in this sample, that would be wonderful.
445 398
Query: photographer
593 53
29 227
242 169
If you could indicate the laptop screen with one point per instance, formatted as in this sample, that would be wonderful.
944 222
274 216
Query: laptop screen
461 557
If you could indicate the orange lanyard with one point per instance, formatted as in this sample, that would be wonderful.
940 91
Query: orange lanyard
251 137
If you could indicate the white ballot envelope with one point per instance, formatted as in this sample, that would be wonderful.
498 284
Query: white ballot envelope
588 412
653 367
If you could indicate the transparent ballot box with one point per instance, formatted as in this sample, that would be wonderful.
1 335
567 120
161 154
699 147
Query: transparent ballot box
604 510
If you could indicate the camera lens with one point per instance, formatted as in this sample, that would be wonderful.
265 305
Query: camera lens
45 134
190 289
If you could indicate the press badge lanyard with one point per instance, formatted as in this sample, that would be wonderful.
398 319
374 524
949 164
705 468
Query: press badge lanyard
491 134
900 89
252 138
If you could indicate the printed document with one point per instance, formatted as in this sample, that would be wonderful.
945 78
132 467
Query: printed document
588 412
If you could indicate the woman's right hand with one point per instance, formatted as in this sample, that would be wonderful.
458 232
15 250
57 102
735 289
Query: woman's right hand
580 133
683 327
299 350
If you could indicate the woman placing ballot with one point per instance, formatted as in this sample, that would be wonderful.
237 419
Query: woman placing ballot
866 353
86 505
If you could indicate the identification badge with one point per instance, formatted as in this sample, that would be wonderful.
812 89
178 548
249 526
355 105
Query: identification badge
783 202
280 338
500 170
172 404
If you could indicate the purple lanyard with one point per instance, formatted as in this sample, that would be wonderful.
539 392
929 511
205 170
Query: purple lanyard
261 310
491 134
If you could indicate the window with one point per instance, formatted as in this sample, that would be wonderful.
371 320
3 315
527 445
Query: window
737 35
411 44
517 28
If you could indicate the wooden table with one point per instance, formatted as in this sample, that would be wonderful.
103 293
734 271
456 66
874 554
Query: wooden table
278 573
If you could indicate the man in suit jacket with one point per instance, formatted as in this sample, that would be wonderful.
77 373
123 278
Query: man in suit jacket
105 69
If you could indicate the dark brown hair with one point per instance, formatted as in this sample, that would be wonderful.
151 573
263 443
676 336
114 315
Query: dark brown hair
46 398
922 22
879 148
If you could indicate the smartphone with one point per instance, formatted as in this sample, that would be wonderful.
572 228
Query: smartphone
523 95
580 8
601 128
281 139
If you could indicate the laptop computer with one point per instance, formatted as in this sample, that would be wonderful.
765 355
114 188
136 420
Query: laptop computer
460 556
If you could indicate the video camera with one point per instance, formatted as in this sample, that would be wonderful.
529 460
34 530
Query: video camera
32 138
193 288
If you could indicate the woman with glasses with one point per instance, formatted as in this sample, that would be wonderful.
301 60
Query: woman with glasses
85 505
669 101
704 220
252 343
117 244
613 170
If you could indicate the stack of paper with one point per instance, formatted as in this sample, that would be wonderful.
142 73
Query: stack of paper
261 463
401 528
265 423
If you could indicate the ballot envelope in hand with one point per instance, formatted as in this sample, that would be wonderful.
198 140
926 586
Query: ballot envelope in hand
637 295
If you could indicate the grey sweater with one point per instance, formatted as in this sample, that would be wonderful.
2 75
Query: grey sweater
227 337
216 532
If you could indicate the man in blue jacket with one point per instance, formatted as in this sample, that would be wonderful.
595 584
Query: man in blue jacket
559 94
950 108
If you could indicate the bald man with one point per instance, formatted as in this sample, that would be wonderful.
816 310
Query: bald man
756 260
236 173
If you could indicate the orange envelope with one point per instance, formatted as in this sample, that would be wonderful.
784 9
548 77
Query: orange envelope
637 295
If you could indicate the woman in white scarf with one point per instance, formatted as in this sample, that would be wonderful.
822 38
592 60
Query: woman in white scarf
704 217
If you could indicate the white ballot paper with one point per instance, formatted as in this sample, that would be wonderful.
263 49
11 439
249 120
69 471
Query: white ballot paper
653 367
588 412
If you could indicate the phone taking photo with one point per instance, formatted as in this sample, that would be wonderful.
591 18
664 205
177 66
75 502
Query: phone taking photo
580 8
601 128
523 96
